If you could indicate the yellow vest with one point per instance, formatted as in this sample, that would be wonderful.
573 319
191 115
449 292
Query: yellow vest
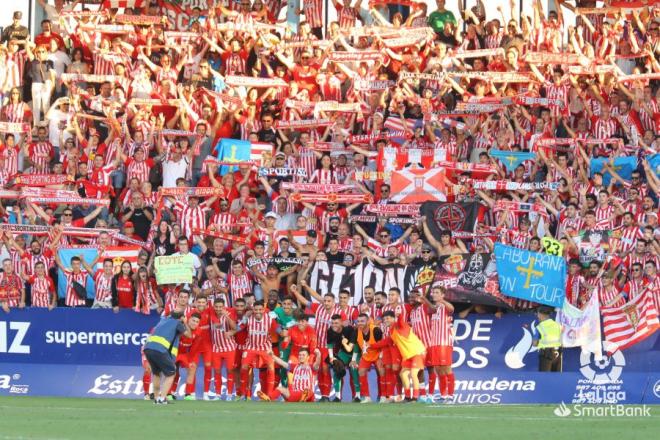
409 346
372 353
550 333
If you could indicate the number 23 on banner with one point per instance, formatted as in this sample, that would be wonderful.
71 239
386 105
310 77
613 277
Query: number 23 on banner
552 246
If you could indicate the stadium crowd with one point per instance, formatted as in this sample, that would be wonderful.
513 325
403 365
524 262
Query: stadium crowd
259 151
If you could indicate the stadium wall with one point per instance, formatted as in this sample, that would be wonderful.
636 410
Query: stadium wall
96 353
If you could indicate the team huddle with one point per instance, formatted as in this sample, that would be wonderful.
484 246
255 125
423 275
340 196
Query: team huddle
304 340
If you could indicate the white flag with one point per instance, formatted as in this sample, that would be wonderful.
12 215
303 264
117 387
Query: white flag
581 328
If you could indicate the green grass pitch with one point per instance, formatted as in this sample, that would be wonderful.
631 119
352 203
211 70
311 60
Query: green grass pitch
96 419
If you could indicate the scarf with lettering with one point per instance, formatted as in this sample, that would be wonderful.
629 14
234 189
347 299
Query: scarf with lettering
318 188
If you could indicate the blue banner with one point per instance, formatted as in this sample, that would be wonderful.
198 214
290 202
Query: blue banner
96 353
623 166
232 150
654 163
511 159
531 276
65 257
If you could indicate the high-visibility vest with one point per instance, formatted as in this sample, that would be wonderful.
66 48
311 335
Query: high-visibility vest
550 332
371 354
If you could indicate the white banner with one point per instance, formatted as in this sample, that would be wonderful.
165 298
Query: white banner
581 328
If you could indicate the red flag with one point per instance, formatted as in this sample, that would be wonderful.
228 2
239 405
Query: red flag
631 323
417 186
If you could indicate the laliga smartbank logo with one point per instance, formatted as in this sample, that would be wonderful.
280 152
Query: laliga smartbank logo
618 410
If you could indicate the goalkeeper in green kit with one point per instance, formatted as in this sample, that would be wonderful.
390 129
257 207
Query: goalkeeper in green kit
342 340
285 318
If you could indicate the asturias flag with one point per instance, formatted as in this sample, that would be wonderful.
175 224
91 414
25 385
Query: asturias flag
531 276
624 166
511 159
654 163
232 150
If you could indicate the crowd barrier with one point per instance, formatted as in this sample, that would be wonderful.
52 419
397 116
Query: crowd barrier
96 353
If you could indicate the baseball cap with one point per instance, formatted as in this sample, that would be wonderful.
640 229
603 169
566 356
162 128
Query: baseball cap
426 247
128 225
18 15
271 214
280 154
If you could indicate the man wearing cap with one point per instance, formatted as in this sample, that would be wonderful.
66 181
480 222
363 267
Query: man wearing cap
547 337
15 31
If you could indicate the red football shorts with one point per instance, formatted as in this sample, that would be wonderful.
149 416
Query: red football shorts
228 357
440 355
257 359
391 356
184 360
295 396
416 361
207 356
365 364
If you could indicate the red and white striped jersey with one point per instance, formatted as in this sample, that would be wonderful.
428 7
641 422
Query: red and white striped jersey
634 287
29 260
41 153
259 333
71 298
441 327
104 62
604 215
235 64
629 237
42 291
610 296
324 216
646 118
420 322
602 129
163 75
322 321
493 41
19 58
323 177
239 286
16 112
222 342
303 378
138 170
313 10
307 160
347 16
10 156
103 284
558 92
222 218
190 218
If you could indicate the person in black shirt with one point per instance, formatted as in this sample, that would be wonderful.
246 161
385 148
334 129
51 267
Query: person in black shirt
267 132
15 31
140 215
341 344
216 255
333 255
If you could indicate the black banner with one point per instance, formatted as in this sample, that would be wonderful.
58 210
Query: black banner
471 278
455 217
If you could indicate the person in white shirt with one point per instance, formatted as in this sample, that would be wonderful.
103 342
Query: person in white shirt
176 166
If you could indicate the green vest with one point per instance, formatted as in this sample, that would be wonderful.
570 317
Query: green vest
550 333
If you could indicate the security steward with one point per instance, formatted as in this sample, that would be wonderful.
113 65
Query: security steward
162 347
547 337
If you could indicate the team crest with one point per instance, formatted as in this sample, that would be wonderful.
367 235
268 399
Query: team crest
454 264
632 315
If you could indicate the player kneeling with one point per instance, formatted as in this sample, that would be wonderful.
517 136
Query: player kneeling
301 379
